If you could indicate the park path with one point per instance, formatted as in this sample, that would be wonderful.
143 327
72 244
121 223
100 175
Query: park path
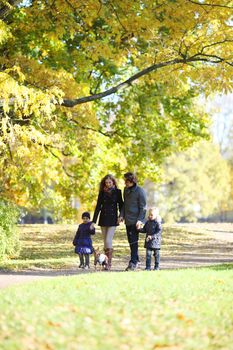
218 250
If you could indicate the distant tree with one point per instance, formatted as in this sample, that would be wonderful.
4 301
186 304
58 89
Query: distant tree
196 184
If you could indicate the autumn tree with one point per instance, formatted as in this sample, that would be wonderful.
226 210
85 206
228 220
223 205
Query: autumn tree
98 86
196 183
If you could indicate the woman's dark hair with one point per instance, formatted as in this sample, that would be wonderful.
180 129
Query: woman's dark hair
108 176
131 177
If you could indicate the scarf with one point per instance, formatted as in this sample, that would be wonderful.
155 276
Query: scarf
109 190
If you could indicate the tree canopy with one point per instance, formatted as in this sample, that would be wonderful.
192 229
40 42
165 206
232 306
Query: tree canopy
98 86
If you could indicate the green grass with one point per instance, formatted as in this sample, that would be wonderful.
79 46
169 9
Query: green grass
188 309
50 246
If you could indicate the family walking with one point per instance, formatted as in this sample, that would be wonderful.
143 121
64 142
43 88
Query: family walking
112 210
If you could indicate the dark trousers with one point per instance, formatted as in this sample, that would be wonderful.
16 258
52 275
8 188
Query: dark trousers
148 258
133 235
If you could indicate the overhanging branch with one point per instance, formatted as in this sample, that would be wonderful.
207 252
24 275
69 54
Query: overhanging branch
198 57
74 102
211 5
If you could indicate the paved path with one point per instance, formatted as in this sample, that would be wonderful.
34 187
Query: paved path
218 250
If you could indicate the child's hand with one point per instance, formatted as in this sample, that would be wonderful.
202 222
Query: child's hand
148 238
92 226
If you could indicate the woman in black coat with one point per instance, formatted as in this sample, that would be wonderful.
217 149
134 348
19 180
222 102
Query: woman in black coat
108 205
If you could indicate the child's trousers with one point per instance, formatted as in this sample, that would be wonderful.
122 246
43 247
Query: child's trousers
148 258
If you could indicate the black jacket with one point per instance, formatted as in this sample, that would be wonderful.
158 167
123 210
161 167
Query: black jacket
152 228
108 205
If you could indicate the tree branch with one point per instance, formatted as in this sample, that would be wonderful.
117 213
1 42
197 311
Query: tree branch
107 134
60 160
5 10
198 57
74 102
210 5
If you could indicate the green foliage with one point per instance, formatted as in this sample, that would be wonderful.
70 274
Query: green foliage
57 51
9 237
196 183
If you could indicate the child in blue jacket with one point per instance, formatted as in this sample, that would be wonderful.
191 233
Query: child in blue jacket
153 230
83 242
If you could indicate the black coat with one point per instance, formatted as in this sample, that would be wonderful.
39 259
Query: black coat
108 205
152 228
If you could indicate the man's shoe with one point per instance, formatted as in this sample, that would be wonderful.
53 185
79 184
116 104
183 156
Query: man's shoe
130 267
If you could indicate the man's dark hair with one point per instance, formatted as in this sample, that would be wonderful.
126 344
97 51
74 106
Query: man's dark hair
130 177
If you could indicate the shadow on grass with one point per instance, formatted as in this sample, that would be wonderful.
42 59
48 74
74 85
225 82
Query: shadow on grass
222 267
50 247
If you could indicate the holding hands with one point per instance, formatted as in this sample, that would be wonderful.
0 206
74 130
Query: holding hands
120 219
139 225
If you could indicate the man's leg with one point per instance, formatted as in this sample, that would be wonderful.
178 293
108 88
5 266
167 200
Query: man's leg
132 235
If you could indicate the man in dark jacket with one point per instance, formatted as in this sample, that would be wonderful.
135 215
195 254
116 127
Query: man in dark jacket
133 212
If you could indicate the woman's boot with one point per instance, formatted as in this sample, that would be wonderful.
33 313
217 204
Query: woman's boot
108 252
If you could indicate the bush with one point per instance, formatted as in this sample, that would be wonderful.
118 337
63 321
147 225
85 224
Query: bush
9 236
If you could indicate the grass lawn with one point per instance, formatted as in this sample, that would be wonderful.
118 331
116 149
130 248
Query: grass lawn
190 309
50 246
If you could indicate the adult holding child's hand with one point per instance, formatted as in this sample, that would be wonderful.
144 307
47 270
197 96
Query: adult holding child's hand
109 204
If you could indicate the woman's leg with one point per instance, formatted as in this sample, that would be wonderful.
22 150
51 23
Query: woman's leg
109 236
104 233
108 244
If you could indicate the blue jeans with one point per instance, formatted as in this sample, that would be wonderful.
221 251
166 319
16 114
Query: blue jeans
148 258
132 235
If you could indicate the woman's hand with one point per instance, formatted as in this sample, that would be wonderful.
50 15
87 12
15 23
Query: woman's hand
120 219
